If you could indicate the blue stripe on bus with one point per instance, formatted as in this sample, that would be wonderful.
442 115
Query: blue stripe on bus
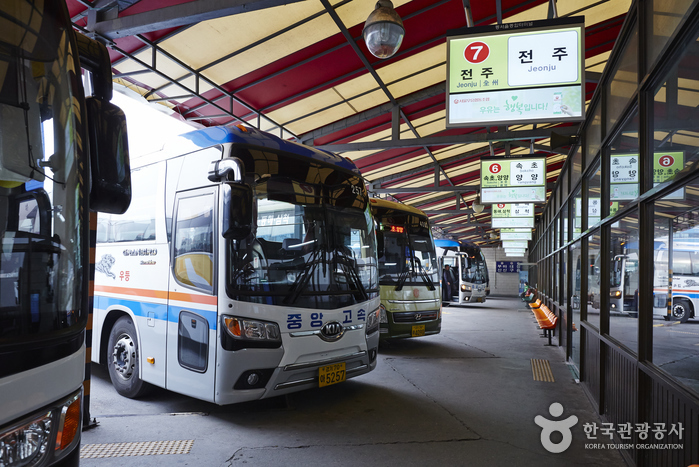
160 311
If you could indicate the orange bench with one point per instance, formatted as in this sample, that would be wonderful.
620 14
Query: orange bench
547 320
536 304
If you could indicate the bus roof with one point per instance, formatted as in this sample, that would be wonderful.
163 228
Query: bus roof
444 243
386 204
213 136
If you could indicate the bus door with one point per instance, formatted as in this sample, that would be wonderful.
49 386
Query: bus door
192 301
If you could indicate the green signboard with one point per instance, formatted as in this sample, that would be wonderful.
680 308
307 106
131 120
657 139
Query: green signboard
512 215
519 180
516 73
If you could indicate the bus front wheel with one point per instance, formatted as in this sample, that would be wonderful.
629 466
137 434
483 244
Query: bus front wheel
123 359
681 310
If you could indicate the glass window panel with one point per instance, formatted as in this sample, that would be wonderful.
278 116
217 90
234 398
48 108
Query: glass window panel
594 198
624 80
676 286
663 18
564 223
676 119
576 214
624 163
593 136
592 266
564 278
576 167
623 281
576 264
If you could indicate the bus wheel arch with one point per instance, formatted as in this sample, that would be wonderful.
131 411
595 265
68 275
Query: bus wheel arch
681 309
122 356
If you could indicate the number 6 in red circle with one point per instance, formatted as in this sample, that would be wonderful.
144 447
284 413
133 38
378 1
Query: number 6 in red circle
667 160
495 168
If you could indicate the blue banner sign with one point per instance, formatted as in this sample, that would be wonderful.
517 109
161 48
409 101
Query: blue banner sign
507 266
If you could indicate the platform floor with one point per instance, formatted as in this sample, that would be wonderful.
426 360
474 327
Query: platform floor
465 397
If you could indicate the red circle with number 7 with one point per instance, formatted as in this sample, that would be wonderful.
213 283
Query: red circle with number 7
476 52
495 168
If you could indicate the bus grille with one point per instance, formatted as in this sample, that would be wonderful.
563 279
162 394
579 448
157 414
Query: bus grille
414 316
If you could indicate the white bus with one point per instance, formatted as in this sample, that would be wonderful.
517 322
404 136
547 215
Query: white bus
411 304
57 161
245 268
683 291
467 268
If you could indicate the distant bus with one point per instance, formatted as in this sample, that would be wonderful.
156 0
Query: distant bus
684 288
467 268
408 272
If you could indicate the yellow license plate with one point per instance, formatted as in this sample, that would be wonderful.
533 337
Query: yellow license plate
331 374
418 330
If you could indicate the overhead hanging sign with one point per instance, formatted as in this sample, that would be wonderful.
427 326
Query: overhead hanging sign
515 235
507 266
515 244
512 215
525 72
519 180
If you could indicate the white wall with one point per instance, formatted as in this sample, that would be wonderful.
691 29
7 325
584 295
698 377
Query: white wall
506 284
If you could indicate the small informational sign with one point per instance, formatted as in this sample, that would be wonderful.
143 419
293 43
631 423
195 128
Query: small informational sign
512 215
624 174
515 244
522 72
507 266
515 235
513 180
665 166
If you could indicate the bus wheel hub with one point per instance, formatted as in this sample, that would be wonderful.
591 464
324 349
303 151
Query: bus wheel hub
124 356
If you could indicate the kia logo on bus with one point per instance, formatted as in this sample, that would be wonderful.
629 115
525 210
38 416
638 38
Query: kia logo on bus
332 331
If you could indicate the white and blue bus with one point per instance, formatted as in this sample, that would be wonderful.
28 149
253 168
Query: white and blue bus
467 268
245 268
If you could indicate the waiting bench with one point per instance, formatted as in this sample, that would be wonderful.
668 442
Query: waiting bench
546 319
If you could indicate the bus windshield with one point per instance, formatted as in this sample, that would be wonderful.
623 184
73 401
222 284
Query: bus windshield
473 268
409 256
314 246
40 269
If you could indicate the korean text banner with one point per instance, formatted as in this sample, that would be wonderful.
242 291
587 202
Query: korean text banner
517 73
517 180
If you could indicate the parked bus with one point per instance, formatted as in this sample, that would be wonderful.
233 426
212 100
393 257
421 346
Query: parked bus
467 268
55 145
683 291
246 268
408 272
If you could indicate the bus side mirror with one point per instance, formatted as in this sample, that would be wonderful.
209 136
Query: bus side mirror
237 211
110 184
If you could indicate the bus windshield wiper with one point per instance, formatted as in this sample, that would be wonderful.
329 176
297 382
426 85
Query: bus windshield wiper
304 276
346 262
403 277
423 273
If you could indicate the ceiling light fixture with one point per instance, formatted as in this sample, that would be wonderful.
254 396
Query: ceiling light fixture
383 30
477 206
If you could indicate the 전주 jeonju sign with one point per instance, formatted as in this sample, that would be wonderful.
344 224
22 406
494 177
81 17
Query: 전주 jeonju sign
526 72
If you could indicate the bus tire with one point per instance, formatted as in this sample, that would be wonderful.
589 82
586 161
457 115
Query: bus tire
681 310
123 359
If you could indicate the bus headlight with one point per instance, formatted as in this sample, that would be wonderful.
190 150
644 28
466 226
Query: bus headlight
383 316
465 288
372 321
27 443
255 330
615 293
